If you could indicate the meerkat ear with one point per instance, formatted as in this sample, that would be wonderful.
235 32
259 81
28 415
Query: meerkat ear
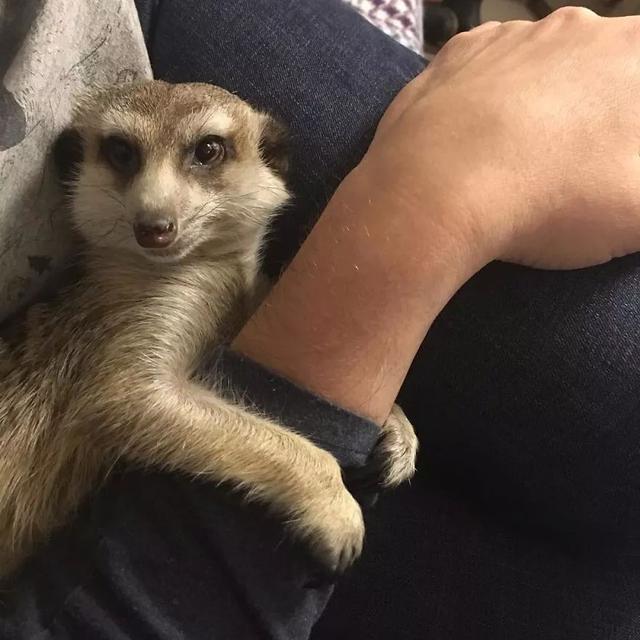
274 145
68 154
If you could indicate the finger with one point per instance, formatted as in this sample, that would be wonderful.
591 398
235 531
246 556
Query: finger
461 47
466 45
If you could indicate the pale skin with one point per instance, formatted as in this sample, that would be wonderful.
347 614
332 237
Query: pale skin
520 142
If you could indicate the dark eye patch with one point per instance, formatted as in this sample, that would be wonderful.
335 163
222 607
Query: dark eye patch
275 146
121 154
68 153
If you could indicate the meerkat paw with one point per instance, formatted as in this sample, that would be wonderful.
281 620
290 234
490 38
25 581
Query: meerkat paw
393 460
397 450
331 523
335 531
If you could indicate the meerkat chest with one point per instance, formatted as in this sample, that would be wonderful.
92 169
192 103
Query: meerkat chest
118 320
173 320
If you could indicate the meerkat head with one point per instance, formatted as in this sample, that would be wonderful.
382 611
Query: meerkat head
161 169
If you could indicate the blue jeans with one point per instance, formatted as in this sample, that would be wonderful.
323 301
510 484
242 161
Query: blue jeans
524 521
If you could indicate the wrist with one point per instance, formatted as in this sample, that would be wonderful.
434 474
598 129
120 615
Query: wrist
350 312
435 217
457 179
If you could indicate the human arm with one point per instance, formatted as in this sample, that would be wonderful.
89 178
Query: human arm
460 174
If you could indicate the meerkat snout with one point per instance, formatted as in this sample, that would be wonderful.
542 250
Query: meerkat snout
154 231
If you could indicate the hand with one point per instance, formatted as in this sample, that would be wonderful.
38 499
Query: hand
520 142
532 132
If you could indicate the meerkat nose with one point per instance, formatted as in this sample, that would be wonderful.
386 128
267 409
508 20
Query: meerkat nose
156 233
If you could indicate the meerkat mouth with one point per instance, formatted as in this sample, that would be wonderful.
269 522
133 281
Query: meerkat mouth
174 253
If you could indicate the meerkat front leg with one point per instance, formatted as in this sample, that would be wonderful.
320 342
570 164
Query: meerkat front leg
185 427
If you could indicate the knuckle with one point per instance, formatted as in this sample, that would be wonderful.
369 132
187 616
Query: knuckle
572 14
455 43
455 47
491 24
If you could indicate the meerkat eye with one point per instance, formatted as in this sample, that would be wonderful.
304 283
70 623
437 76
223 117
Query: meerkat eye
120 154
209 150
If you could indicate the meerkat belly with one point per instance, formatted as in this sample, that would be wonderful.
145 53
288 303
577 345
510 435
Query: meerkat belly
45 469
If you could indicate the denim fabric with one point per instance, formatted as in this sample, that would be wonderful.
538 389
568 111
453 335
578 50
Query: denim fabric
524 519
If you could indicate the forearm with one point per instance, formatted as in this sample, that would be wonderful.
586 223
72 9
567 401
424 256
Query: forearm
349 313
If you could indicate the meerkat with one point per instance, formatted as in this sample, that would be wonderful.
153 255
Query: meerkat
171 189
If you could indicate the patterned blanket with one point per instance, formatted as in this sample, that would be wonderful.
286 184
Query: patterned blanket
401 19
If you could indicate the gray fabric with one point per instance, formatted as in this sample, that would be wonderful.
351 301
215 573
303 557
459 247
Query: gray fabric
50 52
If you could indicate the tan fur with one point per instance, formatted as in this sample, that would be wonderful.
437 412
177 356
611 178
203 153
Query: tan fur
107 373
398 449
